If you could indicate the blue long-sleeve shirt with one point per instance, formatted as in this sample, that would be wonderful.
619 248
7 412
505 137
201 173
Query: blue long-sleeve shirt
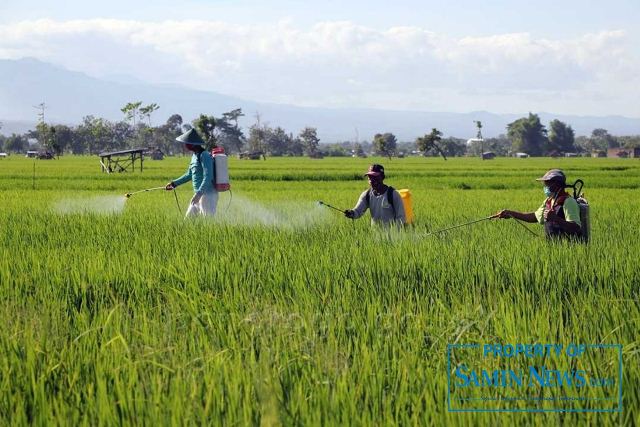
200 172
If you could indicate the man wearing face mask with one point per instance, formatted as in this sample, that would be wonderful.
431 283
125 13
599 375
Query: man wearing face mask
559 213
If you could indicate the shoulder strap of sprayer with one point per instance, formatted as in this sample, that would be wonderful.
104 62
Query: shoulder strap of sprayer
390 191
577 188
213 178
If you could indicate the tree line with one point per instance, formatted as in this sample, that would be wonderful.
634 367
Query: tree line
95 135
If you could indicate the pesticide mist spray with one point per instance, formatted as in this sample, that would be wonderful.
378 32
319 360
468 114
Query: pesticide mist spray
103 205
285 215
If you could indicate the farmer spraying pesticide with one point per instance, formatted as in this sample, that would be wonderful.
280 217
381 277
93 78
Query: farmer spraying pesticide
561 215
385 203
201 172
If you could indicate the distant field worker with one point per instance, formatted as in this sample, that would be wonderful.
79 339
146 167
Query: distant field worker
384 203
559 213
200 172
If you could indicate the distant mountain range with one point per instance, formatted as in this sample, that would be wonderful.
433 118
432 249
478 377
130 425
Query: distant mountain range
71 95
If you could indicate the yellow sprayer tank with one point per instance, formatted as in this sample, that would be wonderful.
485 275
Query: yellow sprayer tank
408 204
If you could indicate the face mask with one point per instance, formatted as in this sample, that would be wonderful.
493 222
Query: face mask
547 191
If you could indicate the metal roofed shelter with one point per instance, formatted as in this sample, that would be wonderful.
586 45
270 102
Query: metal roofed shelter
121 161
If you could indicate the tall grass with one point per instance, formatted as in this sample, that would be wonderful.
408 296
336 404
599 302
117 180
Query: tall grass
137 316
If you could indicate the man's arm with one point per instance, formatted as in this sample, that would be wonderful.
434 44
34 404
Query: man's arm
522 216
184 178
179 181
360 208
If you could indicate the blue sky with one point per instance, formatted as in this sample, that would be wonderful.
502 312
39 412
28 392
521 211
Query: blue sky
574 57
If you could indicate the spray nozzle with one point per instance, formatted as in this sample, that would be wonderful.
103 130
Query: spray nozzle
329 206
127 195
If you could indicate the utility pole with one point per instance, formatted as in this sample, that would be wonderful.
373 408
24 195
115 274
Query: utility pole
479 136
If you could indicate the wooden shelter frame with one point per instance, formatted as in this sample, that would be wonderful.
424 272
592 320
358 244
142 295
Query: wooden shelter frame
121 161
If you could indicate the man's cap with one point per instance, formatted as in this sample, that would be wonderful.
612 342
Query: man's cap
375 170
190 137
553 175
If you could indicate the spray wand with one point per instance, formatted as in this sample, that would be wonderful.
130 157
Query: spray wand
142 191
175 194
457 226
320 202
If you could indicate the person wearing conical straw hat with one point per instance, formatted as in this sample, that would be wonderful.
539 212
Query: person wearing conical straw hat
200 172
559 213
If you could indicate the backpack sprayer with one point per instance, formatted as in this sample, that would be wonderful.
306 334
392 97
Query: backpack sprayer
221 166
583 204
221 176
220 180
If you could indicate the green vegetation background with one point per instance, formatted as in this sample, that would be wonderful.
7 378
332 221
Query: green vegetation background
141 317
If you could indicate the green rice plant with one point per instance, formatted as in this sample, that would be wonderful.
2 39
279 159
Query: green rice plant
280 311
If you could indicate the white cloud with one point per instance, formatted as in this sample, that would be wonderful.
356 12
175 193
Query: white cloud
399 67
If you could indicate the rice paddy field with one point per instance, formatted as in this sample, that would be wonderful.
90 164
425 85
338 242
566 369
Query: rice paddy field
283 312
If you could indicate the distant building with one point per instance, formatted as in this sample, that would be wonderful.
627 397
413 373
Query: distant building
598 153
488 155
521 155
571 154
624 153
